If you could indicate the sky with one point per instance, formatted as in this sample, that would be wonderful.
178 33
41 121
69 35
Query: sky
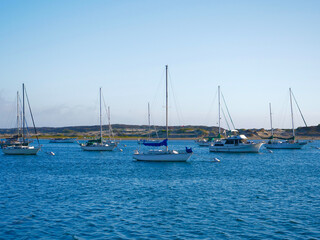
64 51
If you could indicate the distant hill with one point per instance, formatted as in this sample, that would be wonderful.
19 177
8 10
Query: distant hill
140 131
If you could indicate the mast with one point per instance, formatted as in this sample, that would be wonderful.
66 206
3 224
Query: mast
109 121
219 109
271 119
149 119
167 103
23 114
18 117
291 112
100 119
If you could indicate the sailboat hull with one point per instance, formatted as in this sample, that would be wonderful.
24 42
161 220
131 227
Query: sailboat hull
162 156
285 145
204 144
21 151
99 148
241 148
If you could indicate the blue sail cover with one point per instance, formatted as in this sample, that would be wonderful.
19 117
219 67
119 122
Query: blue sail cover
159 144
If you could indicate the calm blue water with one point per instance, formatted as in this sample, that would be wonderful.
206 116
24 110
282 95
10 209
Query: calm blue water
92 195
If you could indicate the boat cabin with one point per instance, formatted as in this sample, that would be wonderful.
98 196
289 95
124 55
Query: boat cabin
234 140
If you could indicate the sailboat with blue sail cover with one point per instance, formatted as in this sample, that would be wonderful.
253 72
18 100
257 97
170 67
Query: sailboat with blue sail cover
163 155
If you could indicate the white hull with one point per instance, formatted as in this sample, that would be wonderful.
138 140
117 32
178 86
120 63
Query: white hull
99 147
204 144
171 156
21 150
148 141
62 141
241 148
285 145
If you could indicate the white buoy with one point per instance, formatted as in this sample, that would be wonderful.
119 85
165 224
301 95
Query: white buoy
50 153
270 151
215 160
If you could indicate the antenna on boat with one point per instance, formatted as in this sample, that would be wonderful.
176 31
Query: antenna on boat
167 103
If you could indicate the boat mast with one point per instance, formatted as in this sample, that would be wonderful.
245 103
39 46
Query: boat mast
271 119
219 109
18 117
167 103
149 120
109 122
291 112
23 115
100 119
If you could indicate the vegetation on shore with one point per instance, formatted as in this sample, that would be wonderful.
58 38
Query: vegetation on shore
177 132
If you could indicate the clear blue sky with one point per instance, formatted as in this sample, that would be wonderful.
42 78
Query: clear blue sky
65 50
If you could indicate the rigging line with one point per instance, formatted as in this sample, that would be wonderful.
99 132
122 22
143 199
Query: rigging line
108 116
155 128
177 105
35 129
228 111
159 85
225 119
211 105
298 108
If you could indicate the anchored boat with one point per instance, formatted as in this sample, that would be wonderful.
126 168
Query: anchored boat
234 143
163 155
21 144
285 143
100 144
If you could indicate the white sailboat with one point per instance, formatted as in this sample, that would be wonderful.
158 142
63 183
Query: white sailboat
235 143
163 155
290 143
99 144
149 139
21 145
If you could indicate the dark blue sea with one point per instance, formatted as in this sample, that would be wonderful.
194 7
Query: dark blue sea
107 195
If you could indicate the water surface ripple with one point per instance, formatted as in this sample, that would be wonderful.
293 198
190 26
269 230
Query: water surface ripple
107 195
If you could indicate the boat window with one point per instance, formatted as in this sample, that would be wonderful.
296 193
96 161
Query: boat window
218 144
230 141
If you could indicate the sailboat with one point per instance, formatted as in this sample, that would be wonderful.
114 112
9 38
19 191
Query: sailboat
163 155
149 139
234 143
111 140
21 144
99 144
289 143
